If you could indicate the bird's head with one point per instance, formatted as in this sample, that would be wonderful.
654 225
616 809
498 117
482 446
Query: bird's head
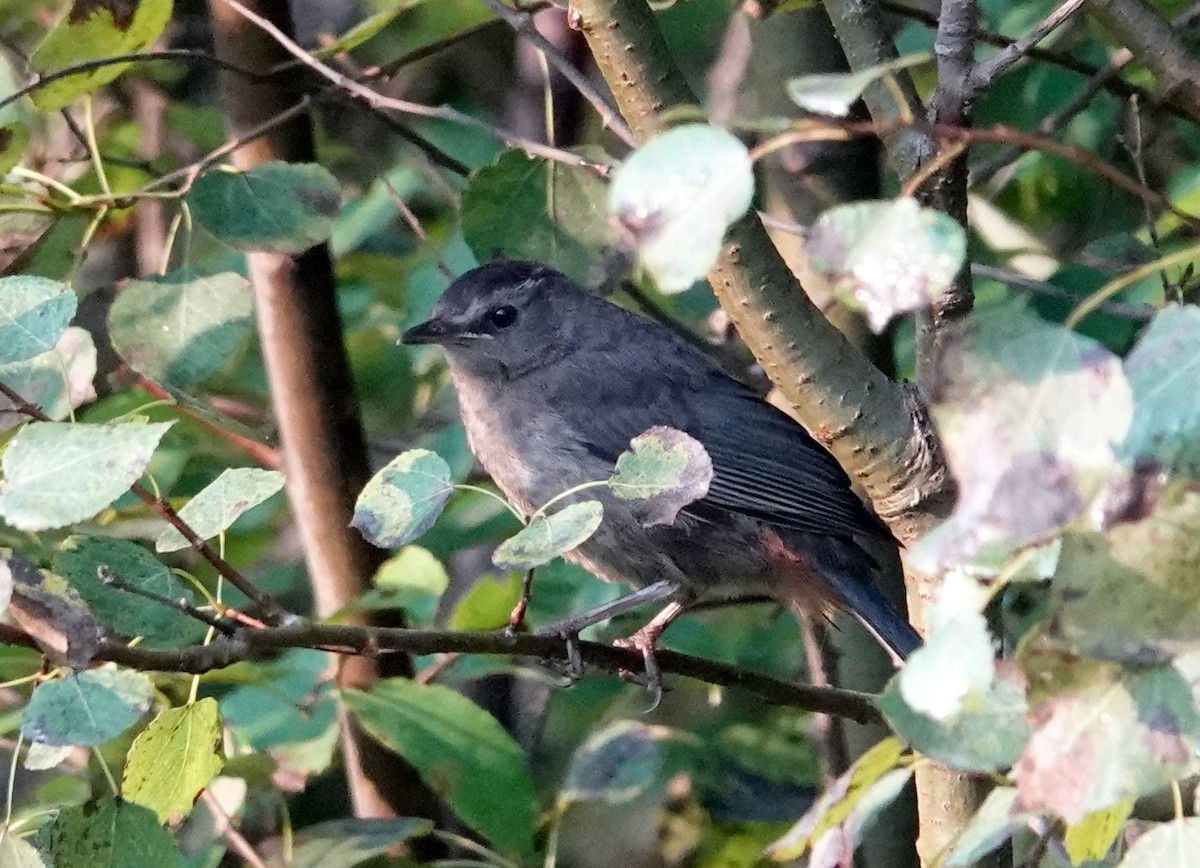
504 318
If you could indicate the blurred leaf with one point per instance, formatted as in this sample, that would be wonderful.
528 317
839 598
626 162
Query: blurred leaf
1103 735
1150 567
835 848
87 709
1164 373
1092 838
412 579
839 800
181 329
187 742
835 93
987 733
161 626
664 471
219 504
995 821
615 765
20 232
366 29
279 207
57 381
14 129
403 500
676 195
94 30
110 833
488 604
34 313
1029 414
1167 845
886 258
18 853
562 212
42 757
346 843
549 536
454 745
286 703
58 473
51 611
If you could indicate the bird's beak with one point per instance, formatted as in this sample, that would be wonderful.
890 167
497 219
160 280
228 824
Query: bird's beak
433 331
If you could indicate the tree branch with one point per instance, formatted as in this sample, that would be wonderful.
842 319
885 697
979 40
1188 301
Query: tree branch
312 391
1155 43
989 70
872 425
375 641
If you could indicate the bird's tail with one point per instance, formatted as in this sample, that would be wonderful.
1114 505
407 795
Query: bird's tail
849 572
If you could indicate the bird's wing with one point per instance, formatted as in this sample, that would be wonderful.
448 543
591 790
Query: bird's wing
765 465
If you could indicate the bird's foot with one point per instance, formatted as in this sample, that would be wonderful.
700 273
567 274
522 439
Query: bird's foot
645 641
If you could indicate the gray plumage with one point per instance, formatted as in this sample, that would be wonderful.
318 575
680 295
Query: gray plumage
553 383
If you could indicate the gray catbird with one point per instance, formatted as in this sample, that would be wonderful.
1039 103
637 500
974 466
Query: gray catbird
554 381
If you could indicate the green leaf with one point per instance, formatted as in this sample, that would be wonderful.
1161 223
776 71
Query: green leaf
1093 837
1029 414
455 745
51 611
563 221
80 560
346 843
1103 734
839 800
412 579
549 536
615 765
87 709
220 503
665 471
18 853
280 207
1164 373
403 500
34 313
995 821
986 735
58 380
1167 845
14 130
20 232
58 473
886 258
676 195
181 329
110 833
834 93
94 30
366 29
1148 565
173 759
488 604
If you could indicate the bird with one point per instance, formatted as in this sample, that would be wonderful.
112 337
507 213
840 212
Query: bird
553 383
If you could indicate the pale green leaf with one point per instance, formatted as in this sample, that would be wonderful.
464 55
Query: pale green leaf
404 499
663 472
187 742
220 503
34 313
549 536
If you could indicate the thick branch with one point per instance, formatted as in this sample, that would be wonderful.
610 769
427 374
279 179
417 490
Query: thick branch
871 424
1155 43
324 450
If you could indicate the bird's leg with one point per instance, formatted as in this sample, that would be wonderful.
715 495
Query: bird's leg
516 618
571 626
646 641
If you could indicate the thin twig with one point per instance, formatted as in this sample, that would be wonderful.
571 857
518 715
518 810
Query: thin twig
1135 312
181 604
418 230
522 24
987 71
268 606
175 54
446 113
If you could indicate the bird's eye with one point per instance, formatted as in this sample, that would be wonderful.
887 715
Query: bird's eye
503 316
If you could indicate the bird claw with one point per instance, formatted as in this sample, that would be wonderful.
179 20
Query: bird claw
651 677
